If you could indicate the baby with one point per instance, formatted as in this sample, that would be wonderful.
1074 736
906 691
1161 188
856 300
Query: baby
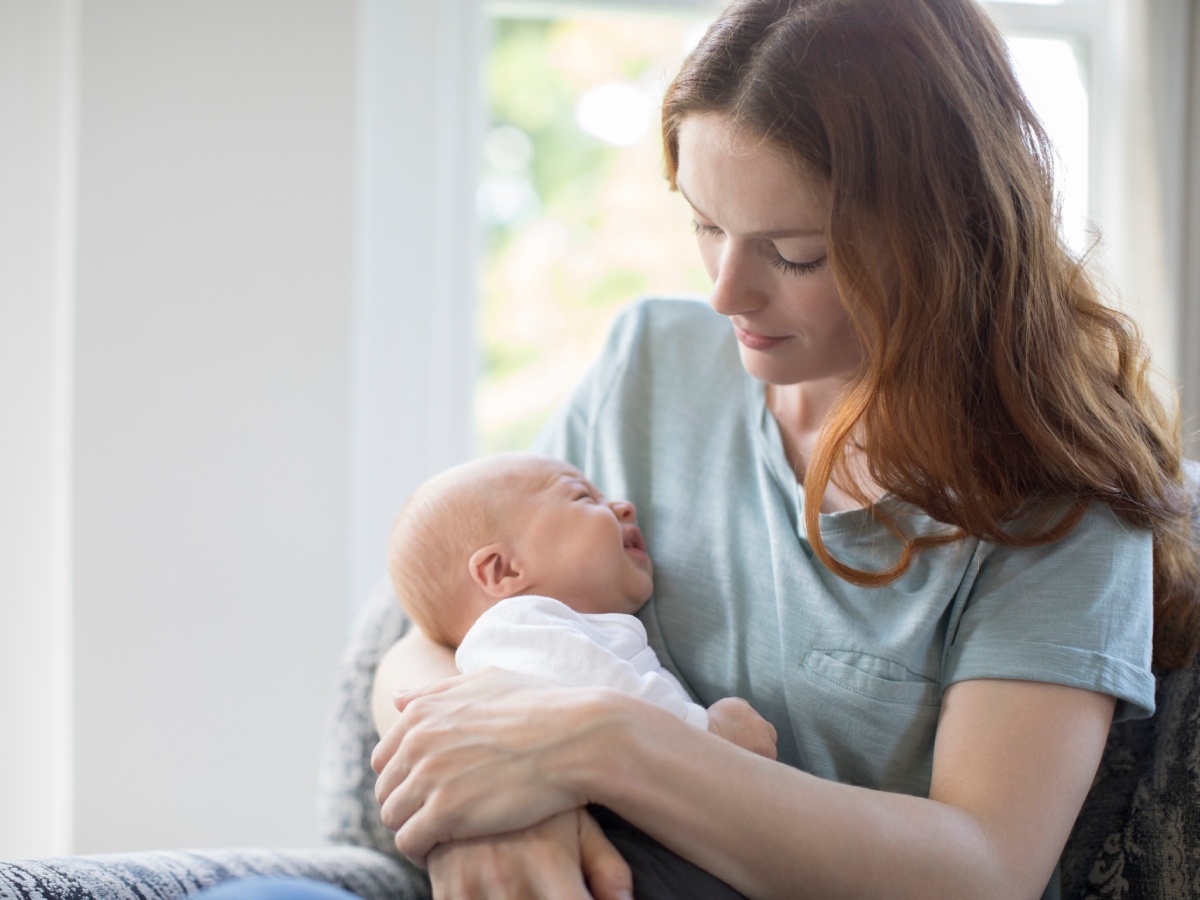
518 561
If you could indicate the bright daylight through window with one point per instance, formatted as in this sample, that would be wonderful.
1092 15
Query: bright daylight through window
577 215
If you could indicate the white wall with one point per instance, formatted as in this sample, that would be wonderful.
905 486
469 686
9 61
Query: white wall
212 339
36 191
196 454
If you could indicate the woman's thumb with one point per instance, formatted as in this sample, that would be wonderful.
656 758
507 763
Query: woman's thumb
608 875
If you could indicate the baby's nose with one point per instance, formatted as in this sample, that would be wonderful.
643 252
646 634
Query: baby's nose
624 509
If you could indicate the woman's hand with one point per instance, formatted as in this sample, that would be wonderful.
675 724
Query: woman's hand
483 754
550 861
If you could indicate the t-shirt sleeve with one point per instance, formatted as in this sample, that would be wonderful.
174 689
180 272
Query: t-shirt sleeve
1076 612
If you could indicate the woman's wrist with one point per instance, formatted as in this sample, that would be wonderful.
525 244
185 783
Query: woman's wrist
611 750
602 746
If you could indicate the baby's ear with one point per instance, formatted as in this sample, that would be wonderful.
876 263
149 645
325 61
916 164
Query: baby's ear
497 571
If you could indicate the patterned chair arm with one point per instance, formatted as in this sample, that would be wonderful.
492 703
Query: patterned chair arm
169 875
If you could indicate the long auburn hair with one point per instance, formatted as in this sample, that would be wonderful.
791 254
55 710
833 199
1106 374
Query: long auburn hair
995 385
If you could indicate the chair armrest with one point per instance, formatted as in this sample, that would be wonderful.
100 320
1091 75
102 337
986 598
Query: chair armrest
173 874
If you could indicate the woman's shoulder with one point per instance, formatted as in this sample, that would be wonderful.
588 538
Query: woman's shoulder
1100 531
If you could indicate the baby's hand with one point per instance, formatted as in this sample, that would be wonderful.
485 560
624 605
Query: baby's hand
735 720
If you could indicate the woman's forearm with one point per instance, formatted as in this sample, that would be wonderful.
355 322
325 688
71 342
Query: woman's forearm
773 831
412 662
1012 766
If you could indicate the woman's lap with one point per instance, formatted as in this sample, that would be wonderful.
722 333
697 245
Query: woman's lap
658 873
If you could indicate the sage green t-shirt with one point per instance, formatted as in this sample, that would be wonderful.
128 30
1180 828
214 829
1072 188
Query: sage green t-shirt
851 677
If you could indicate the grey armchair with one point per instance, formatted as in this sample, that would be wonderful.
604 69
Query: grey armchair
1137 838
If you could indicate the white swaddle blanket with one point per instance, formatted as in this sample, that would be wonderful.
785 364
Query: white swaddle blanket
542 637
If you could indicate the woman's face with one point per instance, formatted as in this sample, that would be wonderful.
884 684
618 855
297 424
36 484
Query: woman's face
761 226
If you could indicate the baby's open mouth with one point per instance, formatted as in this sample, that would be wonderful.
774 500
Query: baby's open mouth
634 539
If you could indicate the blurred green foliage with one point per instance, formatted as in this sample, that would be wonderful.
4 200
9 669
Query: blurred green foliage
525 89
503 358
616 287
555 275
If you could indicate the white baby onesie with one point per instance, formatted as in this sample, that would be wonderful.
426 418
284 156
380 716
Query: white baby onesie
545 638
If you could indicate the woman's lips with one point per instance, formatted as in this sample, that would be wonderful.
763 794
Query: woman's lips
756 341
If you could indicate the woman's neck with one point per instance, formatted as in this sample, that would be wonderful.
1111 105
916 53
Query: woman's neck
800 411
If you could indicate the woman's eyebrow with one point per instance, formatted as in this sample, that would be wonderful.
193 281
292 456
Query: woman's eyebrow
772 234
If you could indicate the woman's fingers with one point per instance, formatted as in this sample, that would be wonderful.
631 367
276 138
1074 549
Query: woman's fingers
608 875
390 742
537 863
388 745
398 808
402 699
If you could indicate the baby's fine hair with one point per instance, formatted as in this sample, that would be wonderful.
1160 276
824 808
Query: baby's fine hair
446 520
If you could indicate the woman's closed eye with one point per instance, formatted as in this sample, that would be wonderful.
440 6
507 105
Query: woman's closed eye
777 259
797 268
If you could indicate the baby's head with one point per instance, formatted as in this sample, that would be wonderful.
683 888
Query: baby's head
508 525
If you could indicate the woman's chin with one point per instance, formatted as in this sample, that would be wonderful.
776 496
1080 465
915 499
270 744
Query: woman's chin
776 369
770 370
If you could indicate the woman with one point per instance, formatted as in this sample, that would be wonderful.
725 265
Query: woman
943 638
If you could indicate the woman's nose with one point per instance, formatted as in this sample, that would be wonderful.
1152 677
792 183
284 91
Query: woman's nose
624 510
735 291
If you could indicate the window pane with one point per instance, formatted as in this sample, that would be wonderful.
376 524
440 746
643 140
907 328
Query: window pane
1053 80
576 212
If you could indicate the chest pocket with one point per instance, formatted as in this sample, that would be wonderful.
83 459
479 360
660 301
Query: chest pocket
864 720
873 677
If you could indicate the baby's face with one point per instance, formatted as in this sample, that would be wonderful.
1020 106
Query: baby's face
581 548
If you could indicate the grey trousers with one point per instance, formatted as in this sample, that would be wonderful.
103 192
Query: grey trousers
659 874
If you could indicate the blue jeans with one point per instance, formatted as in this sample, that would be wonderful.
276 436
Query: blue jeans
265 887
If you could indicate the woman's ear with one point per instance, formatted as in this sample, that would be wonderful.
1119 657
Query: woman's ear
497 571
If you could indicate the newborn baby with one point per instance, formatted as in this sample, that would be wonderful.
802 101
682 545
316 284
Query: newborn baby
520 562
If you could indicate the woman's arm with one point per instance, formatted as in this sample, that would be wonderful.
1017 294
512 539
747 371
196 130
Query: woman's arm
1012 765
566 857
